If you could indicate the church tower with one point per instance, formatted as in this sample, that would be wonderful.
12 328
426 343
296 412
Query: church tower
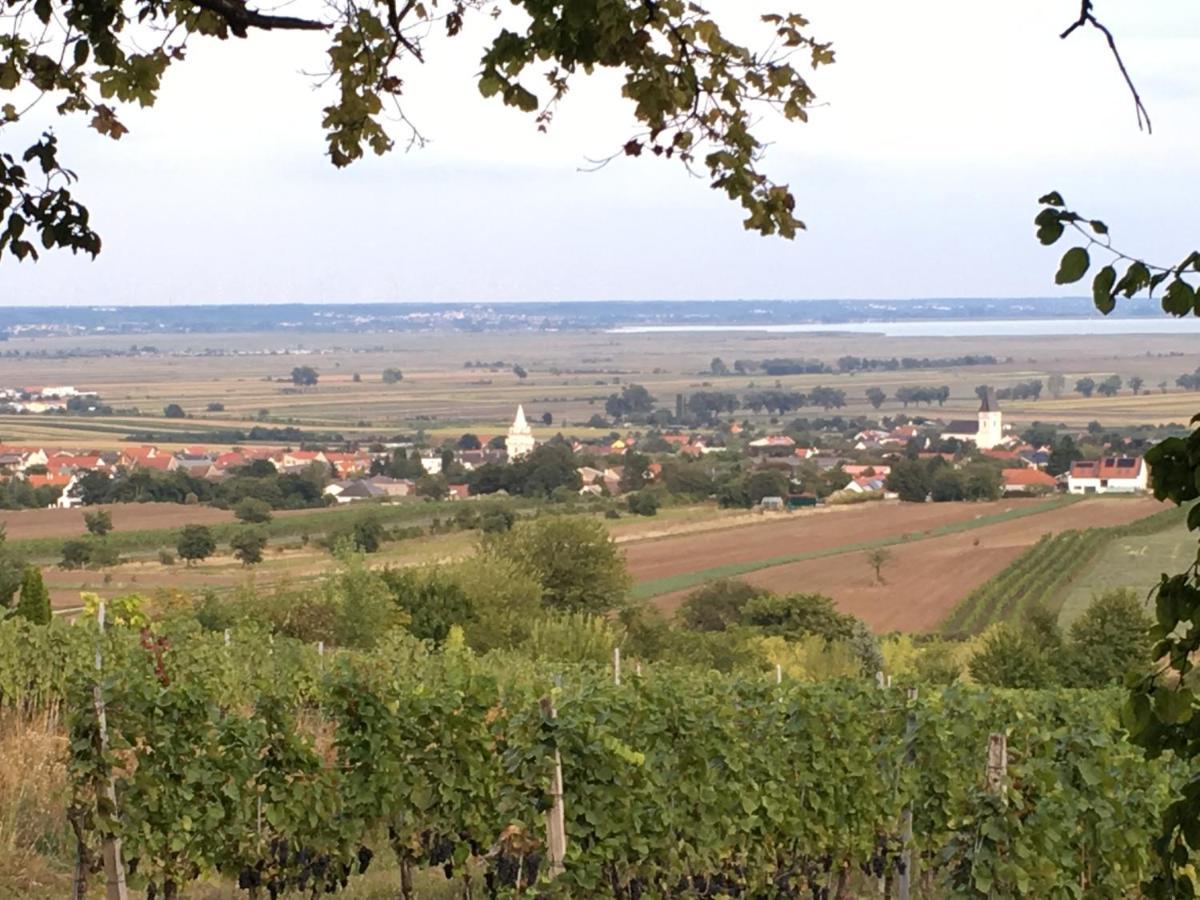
520 438
991 426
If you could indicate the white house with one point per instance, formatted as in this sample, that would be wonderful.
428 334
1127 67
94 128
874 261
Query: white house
1110 475
520 441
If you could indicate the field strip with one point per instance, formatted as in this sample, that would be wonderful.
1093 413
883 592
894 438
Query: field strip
655 587
730 523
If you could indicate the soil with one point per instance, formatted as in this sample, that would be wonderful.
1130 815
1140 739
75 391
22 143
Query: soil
923 580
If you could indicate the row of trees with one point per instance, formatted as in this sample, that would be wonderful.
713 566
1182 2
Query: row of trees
916 481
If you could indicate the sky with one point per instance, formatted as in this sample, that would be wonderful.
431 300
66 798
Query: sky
917 175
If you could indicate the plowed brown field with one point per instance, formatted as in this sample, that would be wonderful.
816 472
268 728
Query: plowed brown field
924 579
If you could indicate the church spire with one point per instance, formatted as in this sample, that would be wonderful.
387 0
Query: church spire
519 425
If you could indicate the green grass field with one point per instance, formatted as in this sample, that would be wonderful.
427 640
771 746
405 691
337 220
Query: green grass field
1062 572
1129 562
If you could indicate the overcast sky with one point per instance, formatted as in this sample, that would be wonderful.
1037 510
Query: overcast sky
940 125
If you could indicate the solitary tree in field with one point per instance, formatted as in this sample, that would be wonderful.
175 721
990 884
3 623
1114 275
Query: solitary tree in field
173 411
878 558
718 367
34 604
1086 386
1056 384
1135 384
195 542
876 396
248 545
519 371
98 522
1110 386
304 376
392 376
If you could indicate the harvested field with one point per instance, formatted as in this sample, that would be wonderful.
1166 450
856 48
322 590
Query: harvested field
925 577
31 524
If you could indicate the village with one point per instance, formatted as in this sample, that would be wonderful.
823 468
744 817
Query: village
826 466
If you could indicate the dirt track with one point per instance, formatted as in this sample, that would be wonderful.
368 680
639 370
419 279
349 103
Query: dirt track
924 579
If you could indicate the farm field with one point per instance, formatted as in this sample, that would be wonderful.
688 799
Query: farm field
925 578
1131 562
569 376
287 559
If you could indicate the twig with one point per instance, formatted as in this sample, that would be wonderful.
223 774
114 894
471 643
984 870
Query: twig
1086 17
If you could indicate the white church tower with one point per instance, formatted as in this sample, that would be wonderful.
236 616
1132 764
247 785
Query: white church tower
520 438
991 426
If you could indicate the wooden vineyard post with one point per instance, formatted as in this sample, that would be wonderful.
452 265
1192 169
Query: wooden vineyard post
114 867
556 823
617 666
904 886
997 762
778 673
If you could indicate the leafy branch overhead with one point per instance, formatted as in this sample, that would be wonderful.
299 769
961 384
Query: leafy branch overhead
1162 707
696 94
1179 298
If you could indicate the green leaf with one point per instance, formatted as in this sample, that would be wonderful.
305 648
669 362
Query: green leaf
1179 298
1054 198
1073 266
1102 286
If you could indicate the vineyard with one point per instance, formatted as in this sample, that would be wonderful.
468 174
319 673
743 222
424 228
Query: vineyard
289 771
1040 575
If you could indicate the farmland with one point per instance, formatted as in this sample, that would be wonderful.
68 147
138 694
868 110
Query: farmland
569 377
939 552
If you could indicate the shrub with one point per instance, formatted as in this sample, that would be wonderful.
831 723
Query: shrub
166 557
98 522
248 545
74 554
643 503
574 558
34 604
253 510
718 605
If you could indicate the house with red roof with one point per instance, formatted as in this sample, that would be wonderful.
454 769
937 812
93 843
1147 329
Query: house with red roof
1108 475
1027 481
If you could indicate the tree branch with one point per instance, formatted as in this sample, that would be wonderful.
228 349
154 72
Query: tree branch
1086 17
240 19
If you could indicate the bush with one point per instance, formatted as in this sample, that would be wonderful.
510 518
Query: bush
253 510
497 520
98 522
34 604
248 545
74 554
643 503
166 557
717 605
1111 637
575 559
1011 659
612 513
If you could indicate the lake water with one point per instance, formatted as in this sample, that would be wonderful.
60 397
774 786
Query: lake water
955 327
